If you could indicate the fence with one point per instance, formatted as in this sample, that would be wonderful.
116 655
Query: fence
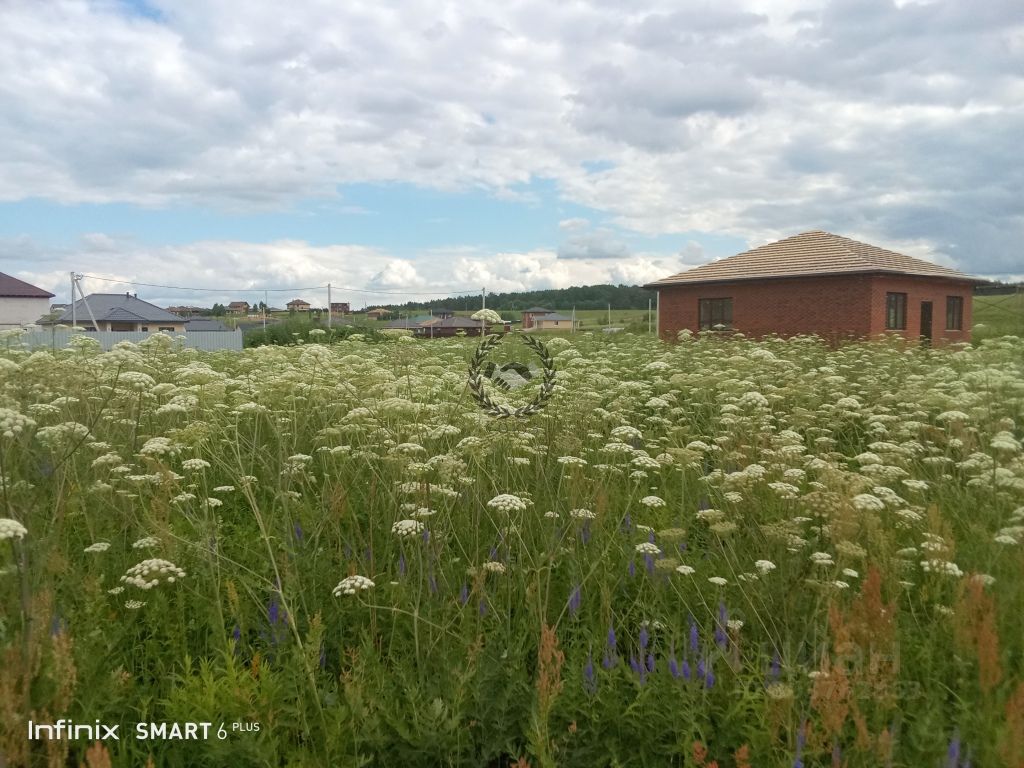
209 341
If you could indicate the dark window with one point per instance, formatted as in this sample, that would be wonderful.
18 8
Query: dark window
954 313
895 311
714 312
166 328
145 327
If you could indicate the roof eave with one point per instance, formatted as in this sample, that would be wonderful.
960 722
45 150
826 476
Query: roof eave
667 283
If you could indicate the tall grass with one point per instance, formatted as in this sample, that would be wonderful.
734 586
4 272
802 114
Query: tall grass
771 553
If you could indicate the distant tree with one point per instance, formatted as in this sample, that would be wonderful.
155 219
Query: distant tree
218 310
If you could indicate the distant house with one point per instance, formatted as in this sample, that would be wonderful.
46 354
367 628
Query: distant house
378 313
427 326
553 321
819 283
204 324
21 303
238 308
530 316
298 305
442 312
340 308
184 311
121 312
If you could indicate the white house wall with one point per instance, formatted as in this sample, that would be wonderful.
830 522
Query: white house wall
18 311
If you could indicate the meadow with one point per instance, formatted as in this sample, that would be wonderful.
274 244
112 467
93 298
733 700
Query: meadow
719 552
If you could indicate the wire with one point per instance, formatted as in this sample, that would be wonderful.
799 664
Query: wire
286 290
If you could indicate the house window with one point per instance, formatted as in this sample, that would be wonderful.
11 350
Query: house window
954 313
714 312
895 311
167 328
145 327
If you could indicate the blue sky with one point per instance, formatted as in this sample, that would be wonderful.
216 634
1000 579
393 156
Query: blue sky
415 148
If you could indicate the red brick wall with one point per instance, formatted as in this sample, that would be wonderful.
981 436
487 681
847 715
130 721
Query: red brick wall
922 289
832 307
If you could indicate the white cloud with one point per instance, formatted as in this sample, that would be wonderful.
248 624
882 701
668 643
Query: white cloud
900 121
233 270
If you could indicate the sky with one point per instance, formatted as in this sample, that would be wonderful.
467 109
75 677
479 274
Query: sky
414 150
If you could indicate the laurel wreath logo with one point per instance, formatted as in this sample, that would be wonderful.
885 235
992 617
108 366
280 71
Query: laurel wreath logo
476 379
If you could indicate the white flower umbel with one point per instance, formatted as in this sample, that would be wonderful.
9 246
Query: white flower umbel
11 529
99 546
493 566
718 581
582 514
652 502
352 584
146 542
686 570
407 529
488 316
150 573
506 502
764 566
646 548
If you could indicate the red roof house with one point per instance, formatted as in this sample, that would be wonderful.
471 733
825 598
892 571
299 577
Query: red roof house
819 283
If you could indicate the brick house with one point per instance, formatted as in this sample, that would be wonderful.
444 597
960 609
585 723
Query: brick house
819 283
238 308
298 305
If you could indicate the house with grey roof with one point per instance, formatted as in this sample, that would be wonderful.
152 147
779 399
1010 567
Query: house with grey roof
21 303
553 321
120 312
531 315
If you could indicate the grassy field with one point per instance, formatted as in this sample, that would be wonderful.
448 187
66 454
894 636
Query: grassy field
996 316
770 554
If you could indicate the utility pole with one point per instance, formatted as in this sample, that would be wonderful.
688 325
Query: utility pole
330 310
85 301
483 305
649 315
266 308
74 314
609 314
572 329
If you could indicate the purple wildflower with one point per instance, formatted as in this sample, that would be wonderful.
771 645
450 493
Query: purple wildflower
953 751
426 535
650 662
611 638
694 636
589 678
775 670
721 640
585 532
649 563
236 633
464 595
686 670
299 535
644 638
401 564
273 610
632 569
482 608
575 599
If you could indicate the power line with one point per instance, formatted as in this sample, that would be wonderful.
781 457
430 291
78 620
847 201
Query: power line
469 291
